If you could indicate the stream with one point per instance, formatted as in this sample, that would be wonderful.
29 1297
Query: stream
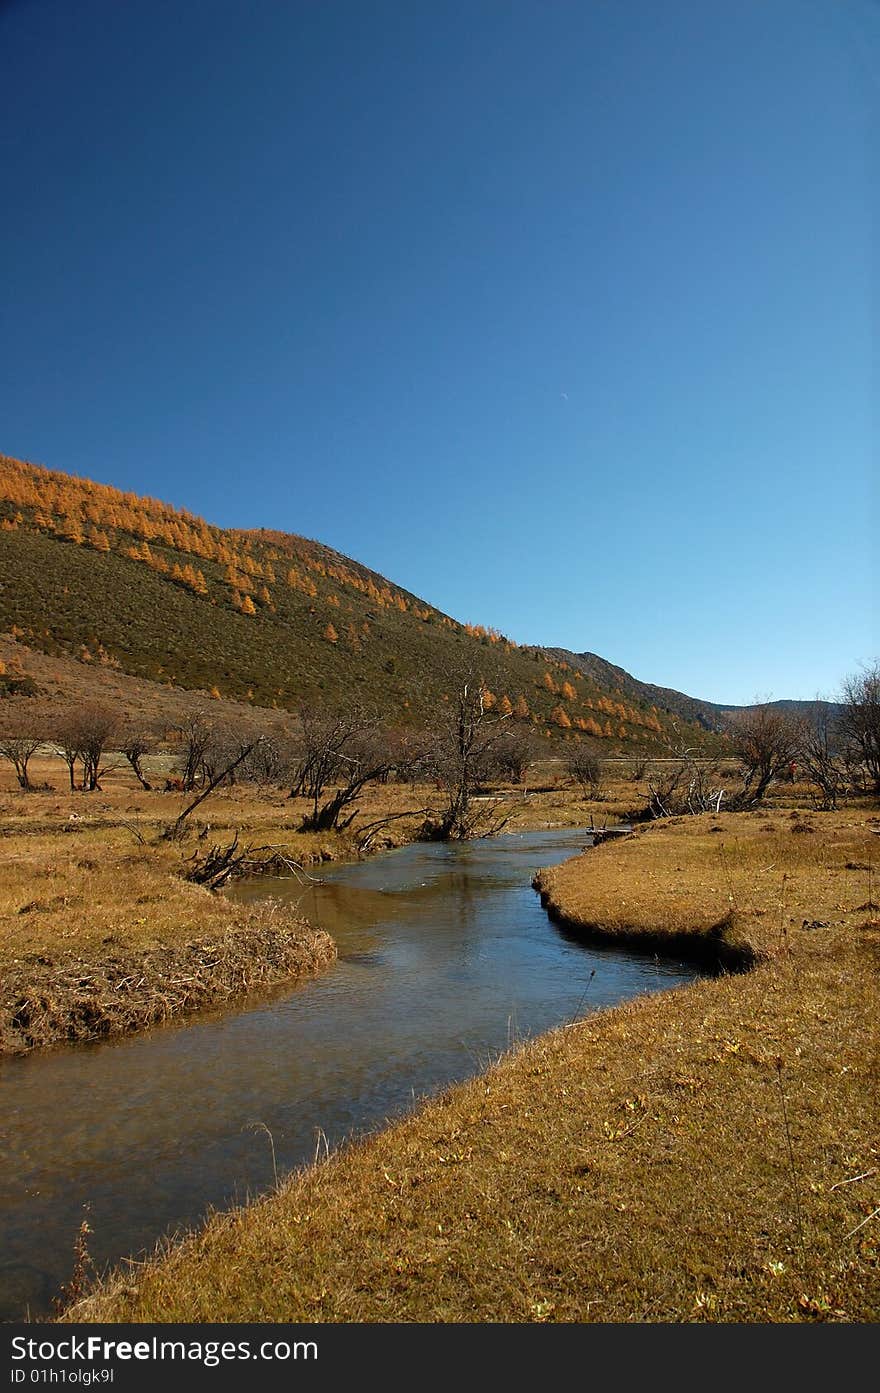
446 959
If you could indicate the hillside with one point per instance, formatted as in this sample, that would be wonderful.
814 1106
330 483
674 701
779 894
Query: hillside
128 583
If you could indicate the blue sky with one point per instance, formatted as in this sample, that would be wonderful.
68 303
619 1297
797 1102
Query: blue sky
562 315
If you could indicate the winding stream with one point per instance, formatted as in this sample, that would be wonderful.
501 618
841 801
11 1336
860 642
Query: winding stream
445 958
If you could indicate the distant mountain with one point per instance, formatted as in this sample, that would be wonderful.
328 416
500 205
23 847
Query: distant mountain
128 583
708 715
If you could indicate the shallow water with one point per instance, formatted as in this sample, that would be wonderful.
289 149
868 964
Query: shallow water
445 959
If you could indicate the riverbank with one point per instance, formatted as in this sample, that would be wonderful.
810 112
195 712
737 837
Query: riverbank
705 1154
102 935
702 887
72 995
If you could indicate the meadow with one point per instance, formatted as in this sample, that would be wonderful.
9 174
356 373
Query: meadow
709 1153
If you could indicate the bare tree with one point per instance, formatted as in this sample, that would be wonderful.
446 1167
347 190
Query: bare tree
766 740
511 754
219 750
314 760
18 743
98 725
461 746
83 735
177 829
136 742
66 739
586 770
267 763
339 755
194 734
859 721
820 755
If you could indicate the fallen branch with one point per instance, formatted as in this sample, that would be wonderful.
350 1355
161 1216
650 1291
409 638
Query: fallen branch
369 830
215 868
278 856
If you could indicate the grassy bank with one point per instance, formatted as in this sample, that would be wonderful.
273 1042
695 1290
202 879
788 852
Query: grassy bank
706 1154
728 890
100 934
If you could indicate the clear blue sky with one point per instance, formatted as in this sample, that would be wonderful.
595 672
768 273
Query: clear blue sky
561 315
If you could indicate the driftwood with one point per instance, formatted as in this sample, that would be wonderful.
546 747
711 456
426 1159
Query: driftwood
277 859
216 866
369 830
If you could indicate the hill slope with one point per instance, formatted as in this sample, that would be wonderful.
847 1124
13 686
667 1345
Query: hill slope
268 617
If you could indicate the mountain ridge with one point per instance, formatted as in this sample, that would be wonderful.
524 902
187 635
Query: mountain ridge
711 715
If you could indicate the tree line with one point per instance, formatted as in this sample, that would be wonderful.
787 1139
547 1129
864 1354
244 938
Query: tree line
834 748
329 759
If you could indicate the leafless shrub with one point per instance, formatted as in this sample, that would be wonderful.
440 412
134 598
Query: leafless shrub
81 736
267 763
820 758
766 740
18 742
510 757
685 785
586 769
859 722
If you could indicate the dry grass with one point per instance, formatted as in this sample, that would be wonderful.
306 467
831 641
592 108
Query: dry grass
101 935
65 682
748 882
706 1154
66 996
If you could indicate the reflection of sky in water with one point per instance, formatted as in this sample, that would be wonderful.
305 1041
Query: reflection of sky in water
445 957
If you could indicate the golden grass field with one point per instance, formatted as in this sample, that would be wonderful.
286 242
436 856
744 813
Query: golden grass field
706 1154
